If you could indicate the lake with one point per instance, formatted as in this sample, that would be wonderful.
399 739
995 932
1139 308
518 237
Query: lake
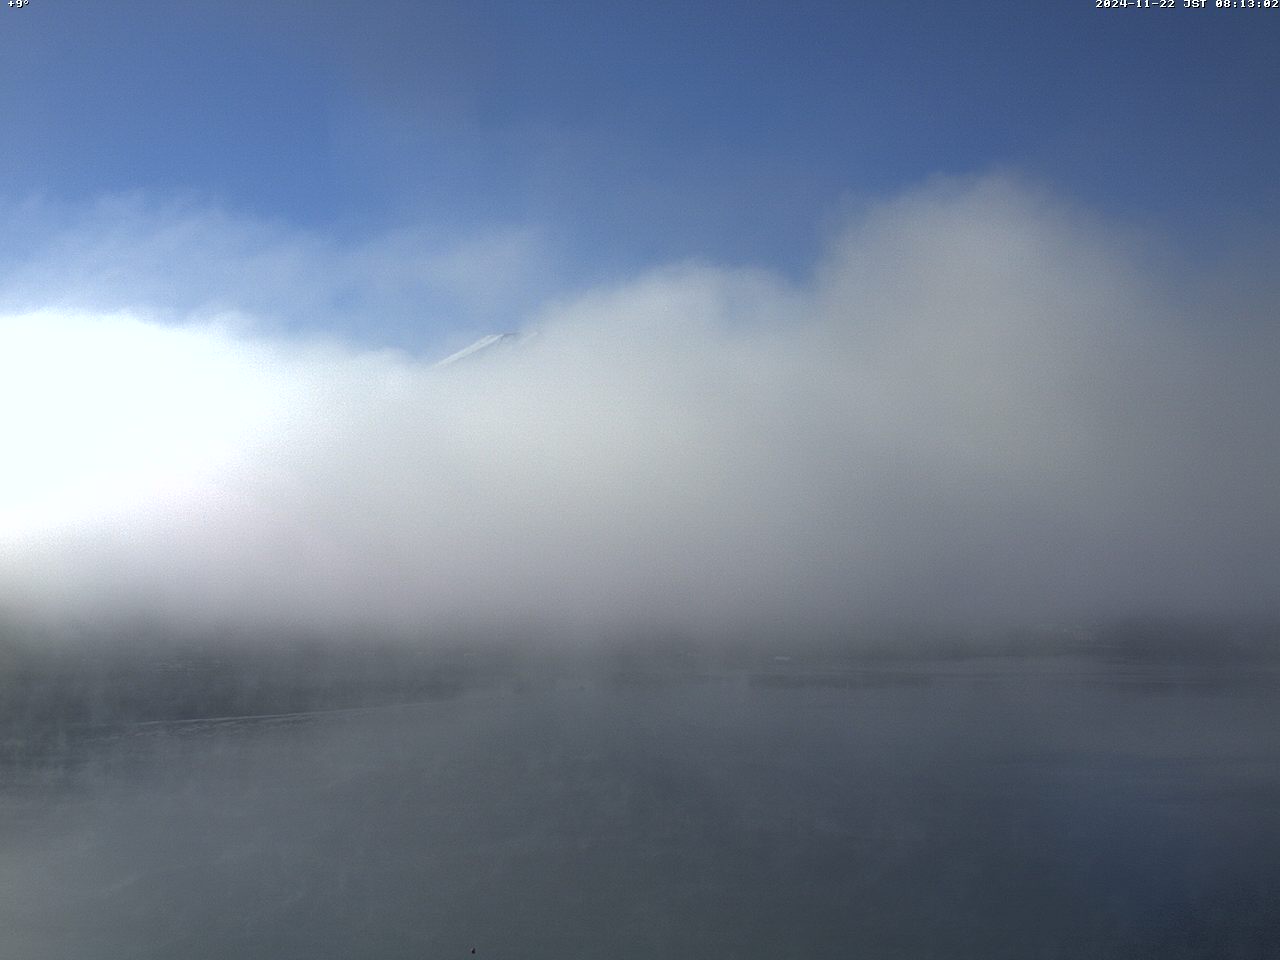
985 808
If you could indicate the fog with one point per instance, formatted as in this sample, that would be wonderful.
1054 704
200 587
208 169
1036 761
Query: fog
981 405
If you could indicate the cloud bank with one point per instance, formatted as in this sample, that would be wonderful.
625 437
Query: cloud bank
979 407
183 261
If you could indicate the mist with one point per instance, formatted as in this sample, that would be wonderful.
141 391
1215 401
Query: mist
982 405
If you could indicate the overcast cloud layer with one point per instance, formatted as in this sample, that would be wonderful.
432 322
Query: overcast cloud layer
980 406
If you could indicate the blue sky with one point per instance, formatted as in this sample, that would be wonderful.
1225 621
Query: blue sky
827 311
613 137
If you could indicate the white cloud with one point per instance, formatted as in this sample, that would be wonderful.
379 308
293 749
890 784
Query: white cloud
417 286
978 407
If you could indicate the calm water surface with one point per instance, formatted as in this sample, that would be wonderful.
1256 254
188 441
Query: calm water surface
985 810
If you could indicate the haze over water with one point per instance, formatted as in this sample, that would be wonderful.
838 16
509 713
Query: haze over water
989 808
844 521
